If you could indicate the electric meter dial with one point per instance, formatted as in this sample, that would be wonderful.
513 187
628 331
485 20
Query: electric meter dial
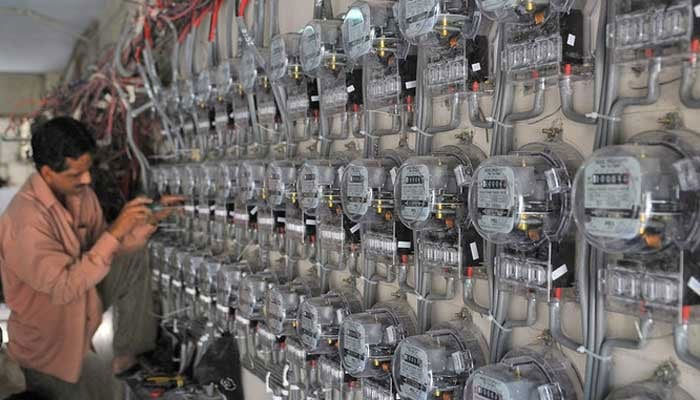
641 196
532 372
282 304
439 361
280 182
320 318
228 283
368 339
317 180
364 22
251 177
367 185
252 293
429 189
422 22
524 199
319 43
207 277
226 181
247 71
278 60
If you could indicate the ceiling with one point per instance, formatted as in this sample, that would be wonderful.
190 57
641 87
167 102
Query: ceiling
44 42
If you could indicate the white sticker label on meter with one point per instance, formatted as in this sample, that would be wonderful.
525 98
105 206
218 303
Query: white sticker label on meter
571 40
495 199
354 346
476 67
612 189
415 205
357 190
694 285
413 371
559 272
475 251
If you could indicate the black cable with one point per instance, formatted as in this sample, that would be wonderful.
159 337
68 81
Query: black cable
545 117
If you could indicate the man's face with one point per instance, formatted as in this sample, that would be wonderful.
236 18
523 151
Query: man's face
73 180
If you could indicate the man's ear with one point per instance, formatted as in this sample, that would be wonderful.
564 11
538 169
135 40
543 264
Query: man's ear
47 173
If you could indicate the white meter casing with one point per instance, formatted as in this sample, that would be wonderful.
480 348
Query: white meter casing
439 361
252 293
536 372
430 190
367 186
320 319
280 183
319 45
317 182
368 339
642 196
523 199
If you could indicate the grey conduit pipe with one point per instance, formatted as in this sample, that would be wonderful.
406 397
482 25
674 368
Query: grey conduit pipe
611 343
536 110
475 112
681 338
468 296
510 324
688 78
566 94
619 106
555 326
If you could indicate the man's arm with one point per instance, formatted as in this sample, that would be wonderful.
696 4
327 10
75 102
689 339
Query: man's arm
40 260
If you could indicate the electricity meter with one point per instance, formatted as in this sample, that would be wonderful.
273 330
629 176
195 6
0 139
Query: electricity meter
376 390
334 379
662 386
280 183
226 186
524 199
367 340
538 371
282 304
190 274
206 205
206 283
429 189
266 112
320 40
269 348
203 89
425 22
224 82
178 263
251 177
285 69
532 51
318 181
166 274
516 11
320 319
367 189
155 261
228 282
368 23
185 89
438 362
666 27
641 196
252 293
247 71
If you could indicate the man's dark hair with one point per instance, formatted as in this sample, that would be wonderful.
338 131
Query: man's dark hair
59 138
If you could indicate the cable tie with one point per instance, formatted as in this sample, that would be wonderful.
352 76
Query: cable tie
595 115
498 325
583 350
497 122
263 127
416 129
364 133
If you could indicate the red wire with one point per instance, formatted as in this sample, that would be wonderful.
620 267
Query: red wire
241 8
214 20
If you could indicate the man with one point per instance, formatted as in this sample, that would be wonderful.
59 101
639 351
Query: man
62 266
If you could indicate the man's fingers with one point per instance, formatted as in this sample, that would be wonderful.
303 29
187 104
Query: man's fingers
139 201
170 200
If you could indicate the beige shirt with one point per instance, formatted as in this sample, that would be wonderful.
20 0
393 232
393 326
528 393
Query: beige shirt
51 259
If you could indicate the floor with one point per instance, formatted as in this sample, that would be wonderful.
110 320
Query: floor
12 380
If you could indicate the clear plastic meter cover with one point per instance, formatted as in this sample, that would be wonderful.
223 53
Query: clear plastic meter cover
650 390
280 182
368 339
228 283
360 25
316 179
424 21
518 11
282 304
319 40
252 293
524 198
320 318
226 181
365 183
251 177
642 196
439 361
428 189
247 71
278 60
536 372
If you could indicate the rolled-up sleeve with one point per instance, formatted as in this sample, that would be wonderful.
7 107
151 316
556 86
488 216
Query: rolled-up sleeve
41 261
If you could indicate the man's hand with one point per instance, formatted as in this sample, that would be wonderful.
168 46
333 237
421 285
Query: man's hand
133 214
165 207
